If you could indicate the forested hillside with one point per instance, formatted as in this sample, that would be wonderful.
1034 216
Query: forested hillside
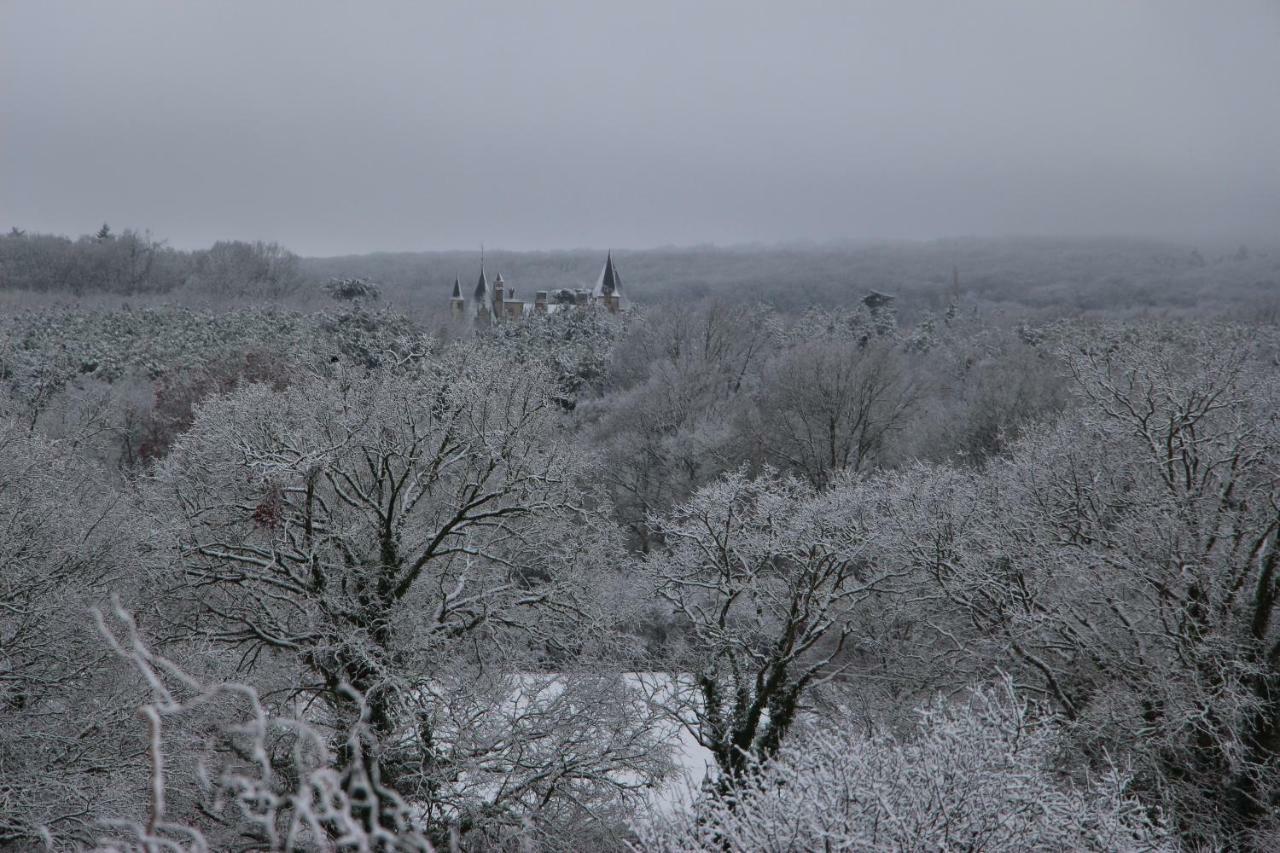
1017 274
969 568
661 427
1037 277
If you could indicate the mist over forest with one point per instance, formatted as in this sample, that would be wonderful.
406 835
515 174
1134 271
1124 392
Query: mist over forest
661 560
893 465
1024 276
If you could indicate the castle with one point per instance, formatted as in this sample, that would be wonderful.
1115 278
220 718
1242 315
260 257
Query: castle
496 303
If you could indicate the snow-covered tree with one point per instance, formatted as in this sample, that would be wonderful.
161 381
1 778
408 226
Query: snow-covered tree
974 775
270 782
831 404
1123 564
764 579
576 346
66 538
669 426
417 535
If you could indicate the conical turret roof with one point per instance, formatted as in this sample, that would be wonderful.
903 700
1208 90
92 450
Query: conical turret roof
482 287
610 283
457 288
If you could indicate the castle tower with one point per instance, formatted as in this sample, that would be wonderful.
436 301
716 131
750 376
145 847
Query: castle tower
609 288
457 305
483 298
496 302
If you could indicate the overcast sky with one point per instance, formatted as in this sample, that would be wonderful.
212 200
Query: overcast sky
338 127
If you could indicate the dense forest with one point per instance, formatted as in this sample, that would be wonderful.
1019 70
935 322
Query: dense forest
1041 276
291 560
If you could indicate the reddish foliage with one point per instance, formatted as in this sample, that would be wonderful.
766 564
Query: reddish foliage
270 511
177 394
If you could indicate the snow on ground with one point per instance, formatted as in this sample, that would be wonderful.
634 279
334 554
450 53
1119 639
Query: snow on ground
692 760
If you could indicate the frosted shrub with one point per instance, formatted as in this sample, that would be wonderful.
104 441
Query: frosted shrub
974 776
272 783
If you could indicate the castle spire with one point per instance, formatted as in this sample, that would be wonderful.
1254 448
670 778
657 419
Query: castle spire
610 283
609 287
457 305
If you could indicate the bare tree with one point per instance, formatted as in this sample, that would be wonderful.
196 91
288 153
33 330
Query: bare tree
418 535
830 405
234 267
1124 565
669 429
66 537
764 579
306 805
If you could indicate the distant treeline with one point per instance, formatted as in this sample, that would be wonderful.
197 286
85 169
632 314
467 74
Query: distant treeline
1044 276
133 262
1021 276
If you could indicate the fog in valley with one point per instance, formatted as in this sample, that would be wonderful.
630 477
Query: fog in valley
672 426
